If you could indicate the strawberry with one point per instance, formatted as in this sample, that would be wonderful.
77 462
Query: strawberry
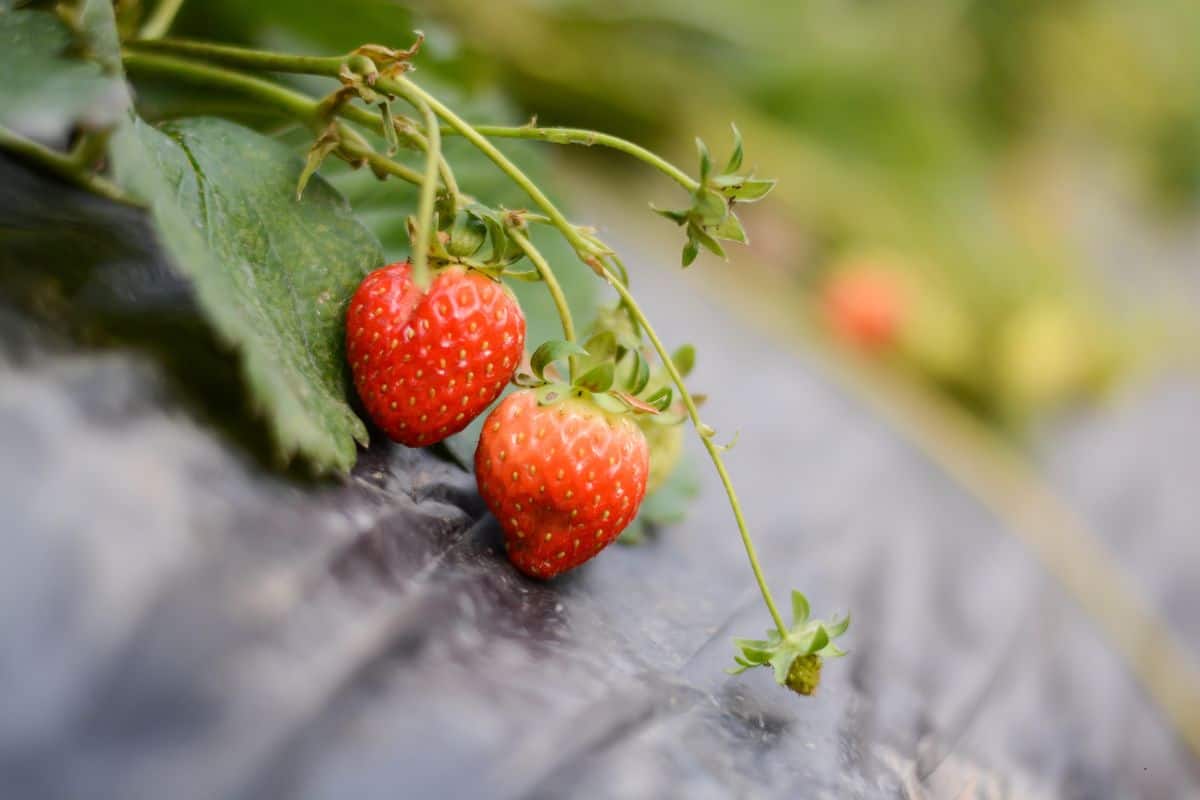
865 308
425 363
564 479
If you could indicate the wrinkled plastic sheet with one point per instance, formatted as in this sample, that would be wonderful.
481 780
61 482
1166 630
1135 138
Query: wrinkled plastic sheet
176 620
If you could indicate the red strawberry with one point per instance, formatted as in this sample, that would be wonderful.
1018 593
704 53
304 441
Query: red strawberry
426 363
563 479
865 308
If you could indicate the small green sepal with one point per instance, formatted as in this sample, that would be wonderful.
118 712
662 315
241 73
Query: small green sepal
795 658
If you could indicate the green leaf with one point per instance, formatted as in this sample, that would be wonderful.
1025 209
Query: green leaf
273 275
638 374
735 158
100 29
47 88
710 244
600 347
800 608
730 229
598 379
684 359
661 399
678 217
750 190
705 160
690 251
708 207
781 662
837 627
820 639
551 351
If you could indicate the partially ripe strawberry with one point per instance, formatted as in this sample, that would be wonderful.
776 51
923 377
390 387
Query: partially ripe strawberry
564 479
864 308
426 363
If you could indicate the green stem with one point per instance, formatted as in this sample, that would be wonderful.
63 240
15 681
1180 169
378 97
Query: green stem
552 284
242 57
160 21
713 451
139 58
61 165
428 196
587 138
294 104
408 89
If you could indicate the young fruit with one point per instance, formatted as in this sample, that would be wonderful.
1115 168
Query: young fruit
563 479
426 363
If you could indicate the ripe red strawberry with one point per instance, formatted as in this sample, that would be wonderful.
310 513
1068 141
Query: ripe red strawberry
563 479
865 308
426 363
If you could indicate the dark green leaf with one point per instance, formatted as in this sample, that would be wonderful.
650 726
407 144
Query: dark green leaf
47 88
272 274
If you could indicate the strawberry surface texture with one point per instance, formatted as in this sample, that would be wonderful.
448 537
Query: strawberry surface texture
427 363
563 479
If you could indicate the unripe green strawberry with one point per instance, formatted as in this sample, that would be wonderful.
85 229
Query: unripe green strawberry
804 674
666 449
563 479
426 363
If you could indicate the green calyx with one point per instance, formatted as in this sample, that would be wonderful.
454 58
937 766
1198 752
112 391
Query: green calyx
796 658
614 377
710 218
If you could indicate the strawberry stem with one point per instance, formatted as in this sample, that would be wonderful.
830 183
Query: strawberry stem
294 104
160 19
552 285
713 451
586 138
428 195
61 165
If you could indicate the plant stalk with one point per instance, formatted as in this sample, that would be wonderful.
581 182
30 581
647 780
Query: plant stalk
61 165
587 138
714 451
425 203
552 285
294 104
160 19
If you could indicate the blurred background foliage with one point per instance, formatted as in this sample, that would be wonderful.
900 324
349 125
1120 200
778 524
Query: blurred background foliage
939 163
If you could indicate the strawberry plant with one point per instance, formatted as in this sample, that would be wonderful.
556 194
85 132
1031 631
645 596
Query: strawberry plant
295 283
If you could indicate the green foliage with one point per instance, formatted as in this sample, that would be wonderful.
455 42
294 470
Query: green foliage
47 86
273 274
